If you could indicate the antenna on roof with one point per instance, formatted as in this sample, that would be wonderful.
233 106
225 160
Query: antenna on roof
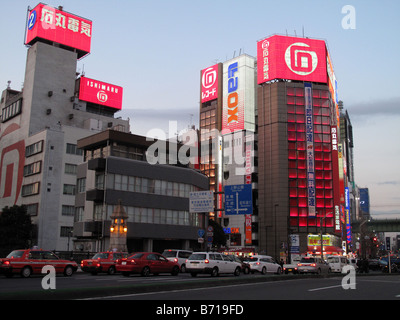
303 31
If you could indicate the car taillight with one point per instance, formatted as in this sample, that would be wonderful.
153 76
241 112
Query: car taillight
299 264
313 264
98 265
257 263
6 262
206 261
133 261
175 260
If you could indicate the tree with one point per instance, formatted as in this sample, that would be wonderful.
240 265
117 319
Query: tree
15 228
219 237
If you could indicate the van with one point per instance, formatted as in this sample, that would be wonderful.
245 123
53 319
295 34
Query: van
337 263
178 255
213 263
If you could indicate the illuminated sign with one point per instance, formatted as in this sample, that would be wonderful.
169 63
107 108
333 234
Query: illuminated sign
280 57
347 213
48 23
100 93
238 106
209 84
310 149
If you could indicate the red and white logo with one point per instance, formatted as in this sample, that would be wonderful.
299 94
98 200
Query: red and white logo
300 59
102 96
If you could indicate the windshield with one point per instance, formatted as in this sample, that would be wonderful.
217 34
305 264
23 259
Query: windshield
169 253
307 260
198 256
251 259
101 255
16 254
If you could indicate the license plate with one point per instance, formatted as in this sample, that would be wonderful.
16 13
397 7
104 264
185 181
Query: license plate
123 262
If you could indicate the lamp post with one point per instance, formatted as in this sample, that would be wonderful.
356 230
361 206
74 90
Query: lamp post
118 229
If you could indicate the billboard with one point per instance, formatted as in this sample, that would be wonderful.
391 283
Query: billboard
52 24
209 84
238 107
282 57
100 93
310 149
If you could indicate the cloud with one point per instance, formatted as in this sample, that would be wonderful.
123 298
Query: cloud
376 107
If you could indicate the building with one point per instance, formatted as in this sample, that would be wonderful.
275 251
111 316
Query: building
155 196
298 168
40 124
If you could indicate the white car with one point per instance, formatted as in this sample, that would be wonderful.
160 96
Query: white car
213 263
178 255
263 264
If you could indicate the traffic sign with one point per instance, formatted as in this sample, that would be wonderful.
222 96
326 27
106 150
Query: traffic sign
200 233
238 199
201 201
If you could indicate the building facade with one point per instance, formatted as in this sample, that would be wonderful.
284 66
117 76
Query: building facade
154 196
39 129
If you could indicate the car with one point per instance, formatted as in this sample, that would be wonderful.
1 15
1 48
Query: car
178 255
146 263
263 264
337 263
291 267
212 263
313 265
245 265
26 262
102 262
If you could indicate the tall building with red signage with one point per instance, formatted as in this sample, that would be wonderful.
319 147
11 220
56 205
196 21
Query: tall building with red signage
40 124
298 137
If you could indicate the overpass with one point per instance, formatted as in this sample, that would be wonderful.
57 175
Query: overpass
377 225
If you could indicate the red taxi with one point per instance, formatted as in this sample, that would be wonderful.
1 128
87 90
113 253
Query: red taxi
146 263
31 261
102 262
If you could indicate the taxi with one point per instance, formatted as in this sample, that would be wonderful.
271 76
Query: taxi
102 262
26 262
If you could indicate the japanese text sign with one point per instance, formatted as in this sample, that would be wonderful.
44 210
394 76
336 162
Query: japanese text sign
59 26
209 84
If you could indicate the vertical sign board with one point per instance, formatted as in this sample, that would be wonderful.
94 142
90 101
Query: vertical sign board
201 201
335 171
310 149
209 84
347 214
238 199
238 104
59 26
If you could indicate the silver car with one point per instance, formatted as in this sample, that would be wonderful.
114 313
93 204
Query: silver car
313 265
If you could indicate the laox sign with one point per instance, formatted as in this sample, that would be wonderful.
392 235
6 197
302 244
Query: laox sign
281 57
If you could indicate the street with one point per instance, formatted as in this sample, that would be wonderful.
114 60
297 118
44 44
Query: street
374 286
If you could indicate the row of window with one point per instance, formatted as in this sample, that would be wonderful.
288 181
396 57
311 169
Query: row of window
145 215
11 111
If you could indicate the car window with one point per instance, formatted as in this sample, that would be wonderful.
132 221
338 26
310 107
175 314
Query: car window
184 254
163 259
169 253
212 256
152 257
251 259
226 258
136 256
16 254
116 256
100 255
218 257
49 255
307 260
197 256
37 255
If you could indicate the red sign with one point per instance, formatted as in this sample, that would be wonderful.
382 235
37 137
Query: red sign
100 93
281 57
59 26
209 84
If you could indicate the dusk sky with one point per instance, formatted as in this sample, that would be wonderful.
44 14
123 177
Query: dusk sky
155 50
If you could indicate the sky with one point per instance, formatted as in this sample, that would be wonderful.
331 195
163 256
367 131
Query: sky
155 50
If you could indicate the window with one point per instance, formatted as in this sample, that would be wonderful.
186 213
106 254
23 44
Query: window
73 149
70 168
34 148
11 111
69 189
67 210
32 168
81 185
66 231
32 209
30 189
